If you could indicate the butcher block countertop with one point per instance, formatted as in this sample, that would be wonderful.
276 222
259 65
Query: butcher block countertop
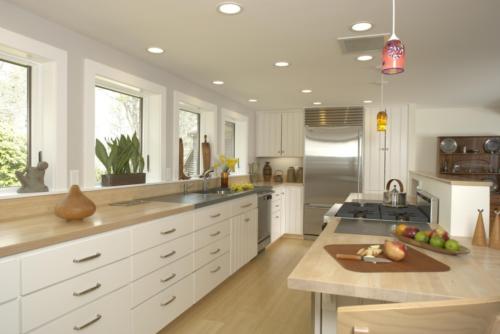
473 275
34 232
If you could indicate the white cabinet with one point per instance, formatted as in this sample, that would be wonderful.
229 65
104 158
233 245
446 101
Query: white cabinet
9 317
210 276
397 148
268 134
292 134
280 134
294 207
243 239
9 272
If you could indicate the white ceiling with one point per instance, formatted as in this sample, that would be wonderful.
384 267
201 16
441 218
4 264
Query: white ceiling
453 47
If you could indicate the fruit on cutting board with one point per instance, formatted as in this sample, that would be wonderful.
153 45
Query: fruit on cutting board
373 250
395 250
400 229
452 245
410 232
437 241
422 236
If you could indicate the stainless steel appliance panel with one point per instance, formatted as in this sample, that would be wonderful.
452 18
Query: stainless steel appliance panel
264 227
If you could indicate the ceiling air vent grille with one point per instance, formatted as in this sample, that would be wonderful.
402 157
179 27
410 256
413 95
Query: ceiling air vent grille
334 117
356 44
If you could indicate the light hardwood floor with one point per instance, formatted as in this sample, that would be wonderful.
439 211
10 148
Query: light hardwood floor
254 300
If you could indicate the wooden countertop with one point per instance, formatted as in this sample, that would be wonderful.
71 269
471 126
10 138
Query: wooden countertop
453 180
474 275
34 232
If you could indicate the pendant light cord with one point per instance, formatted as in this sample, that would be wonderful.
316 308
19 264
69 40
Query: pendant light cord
381 90
394 17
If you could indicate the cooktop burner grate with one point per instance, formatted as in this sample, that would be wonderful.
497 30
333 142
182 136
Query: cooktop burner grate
377 211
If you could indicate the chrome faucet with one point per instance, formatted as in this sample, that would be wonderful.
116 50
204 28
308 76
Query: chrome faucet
206 176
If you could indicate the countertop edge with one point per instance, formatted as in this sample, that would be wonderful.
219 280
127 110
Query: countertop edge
470 183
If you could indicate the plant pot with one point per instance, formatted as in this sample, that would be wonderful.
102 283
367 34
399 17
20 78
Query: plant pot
224 180
109 180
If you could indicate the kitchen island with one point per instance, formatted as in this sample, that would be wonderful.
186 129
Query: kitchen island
332 286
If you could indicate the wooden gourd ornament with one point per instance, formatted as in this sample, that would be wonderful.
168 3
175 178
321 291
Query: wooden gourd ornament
479 238
75 206
495 231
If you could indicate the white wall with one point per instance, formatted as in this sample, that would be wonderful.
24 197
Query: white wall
429 123
80 47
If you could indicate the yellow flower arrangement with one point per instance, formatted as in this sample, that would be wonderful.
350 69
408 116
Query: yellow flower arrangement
226 163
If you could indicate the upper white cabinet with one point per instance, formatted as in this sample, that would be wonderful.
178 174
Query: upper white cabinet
280 134
397 143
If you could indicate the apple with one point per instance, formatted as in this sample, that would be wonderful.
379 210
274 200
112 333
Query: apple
440 232
410 232
395 250
400 229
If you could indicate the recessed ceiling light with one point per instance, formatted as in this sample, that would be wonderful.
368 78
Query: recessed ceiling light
281 64
367 101
361 26
229 8
252 100
364 58
156 50
218 82
317 103
306 91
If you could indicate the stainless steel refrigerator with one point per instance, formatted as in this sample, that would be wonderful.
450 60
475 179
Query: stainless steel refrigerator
332 170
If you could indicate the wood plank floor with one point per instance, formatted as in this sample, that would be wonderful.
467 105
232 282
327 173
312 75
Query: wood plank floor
254 300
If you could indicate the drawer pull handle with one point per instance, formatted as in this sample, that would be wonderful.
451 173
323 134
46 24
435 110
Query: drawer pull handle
215 216
93 321
215 251
276 206
215 270
215 234
276 216
165 280
168 255
169 302
247 220
246 205
88 258
168 232
84 292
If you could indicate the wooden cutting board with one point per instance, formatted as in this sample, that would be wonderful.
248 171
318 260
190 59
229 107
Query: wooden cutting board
414 261
206 153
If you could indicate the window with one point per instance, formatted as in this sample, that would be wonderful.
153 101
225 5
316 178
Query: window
116 114
230 139
15 98
189 131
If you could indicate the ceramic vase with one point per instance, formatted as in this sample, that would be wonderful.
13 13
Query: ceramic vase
224 180
75 206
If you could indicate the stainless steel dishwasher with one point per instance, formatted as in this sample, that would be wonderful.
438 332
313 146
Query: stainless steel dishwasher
264 204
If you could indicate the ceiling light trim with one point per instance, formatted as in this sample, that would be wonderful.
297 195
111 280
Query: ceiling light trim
155 50
232 8
362 26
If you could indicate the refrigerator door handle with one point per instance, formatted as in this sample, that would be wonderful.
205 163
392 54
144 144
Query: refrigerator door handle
359 162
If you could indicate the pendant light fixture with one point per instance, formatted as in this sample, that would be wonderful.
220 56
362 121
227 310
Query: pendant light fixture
393 55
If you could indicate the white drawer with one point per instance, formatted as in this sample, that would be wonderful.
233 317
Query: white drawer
212 214
9 317
57 263
45 305
159 311
276 206
156 232
211 275
159 256
158 280
211 234
9 273
211 252
244 204
110 314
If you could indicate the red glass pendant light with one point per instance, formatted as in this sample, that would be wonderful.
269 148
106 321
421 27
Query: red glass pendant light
393 55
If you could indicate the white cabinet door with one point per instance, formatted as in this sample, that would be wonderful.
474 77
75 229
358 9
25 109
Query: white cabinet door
294 206
268 133
292 134
397 148
243 239
250 220
9 317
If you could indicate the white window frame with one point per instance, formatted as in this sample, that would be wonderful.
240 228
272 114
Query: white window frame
49 104
241 137
208 126
154 118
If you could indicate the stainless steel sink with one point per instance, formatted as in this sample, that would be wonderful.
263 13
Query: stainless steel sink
130 203
220 192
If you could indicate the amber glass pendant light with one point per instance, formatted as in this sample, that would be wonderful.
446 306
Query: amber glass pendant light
393 55
382 121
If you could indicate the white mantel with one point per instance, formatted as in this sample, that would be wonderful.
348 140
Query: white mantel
459 201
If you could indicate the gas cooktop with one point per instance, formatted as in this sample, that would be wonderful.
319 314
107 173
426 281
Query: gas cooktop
377 211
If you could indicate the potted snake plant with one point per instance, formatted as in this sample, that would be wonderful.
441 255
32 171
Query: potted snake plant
123 161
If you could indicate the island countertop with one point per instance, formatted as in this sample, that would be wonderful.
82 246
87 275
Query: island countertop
473 275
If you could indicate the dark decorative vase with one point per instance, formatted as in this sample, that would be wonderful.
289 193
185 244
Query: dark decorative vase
267 172
224 180
109 180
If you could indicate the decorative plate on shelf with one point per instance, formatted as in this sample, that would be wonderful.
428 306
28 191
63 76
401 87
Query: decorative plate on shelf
448 145
492 145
